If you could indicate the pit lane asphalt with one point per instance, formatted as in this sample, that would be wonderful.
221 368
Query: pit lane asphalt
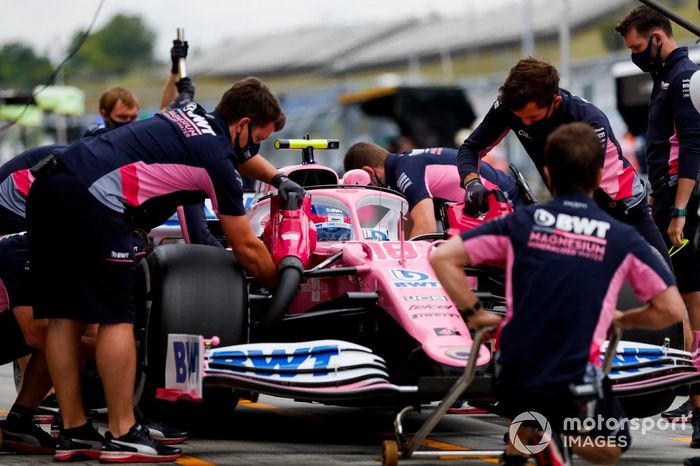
276 431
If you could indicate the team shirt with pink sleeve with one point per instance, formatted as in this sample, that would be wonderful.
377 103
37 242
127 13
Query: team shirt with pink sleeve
178 157
565 263
620 183
432 174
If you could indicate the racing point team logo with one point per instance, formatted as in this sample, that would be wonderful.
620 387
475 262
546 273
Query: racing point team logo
534 419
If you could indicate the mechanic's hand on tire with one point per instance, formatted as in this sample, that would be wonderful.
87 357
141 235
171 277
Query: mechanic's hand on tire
285 186
177 51
475 197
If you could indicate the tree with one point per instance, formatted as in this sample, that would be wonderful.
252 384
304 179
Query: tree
124 43
20 66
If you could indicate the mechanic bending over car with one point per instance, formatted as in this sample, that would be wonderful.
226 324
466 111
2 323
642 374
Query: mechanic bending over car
22 335
532 105
98 186
564 285
118 107
422 175
672 155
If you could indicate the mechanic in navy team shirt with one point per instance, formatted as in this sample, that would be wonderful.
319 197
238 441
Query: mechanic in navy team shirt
565 263
423 176
15 181
531 104
22 335
672 154
98 187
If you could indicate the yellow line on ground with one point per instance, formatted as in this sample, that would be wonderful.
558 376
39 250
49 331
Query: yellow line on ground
682 439
192 461
278 409
4 412
452 447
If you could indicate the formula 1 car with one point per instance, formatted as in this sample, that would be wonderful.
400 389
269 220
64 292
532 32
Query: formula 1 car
358 318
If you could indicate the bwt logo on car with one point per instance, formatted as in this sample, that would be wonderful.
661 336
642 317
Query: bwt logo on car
412 279
186 360
318 357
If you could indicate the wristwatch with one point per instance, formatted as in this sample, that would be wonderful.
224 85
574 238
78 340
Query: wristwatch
676 212
470 311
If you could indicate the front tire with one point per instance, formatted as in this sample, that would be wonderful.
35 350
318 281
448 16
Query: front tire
190 289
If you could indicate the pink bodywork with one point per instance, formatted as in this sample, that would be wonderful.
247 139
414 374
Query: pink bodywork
402 276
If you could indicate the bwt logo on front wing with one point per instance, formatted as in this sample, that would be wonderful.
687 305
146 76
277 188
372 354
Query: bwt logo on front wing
412 279
186 360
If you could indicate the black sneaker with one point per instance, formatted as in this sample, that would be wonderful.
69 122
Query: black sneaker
163 434
24 436
49 405
695 422
79 443
136 446
692 461
554 454
56 425
682 413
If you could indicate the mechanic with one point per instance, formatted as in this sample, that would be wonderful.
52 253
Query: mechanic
98 186
422 175
672 155
119 106
563 283
15 182
22 335
531 104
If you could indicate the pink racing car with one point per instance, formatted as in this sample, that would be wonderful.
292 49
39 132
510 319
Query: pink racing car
358 319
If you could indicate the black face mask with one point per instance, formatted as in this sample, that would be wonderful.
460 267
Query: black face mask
250 149
117 124
378 180
644 60
539 126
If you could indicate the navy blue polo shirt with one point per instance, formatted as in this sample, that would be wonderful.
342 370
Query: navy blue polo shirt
673 135
15 181
178 157
565 263
432 173
619 182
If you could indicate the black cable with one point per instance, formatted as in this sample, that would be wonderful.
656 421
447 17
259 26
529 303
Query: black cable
58 68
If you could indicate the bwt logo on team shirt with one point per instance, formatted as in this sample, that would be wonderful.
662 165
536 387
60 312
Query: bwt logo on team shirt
572 223
198 120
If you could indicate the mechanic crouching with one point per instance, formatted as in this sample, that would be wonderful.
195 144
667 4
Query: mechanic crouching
564 282
96 186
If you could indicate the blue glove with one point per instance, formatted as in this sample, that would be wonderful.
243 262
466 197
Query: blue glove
475 197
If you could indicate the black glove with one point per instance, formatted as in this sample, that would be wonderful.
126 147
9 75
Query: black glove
185 89
177 51
285 186
185 86
475 197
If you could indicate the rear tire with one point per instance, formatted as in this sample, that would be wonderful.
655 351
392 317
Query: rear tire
192 289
